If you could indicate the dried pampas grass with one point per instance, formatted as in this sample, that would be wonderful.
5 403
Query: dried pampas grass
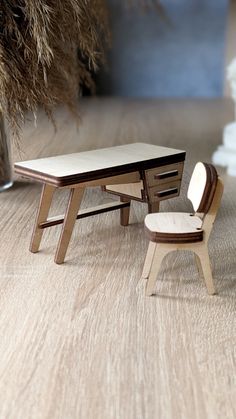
48 49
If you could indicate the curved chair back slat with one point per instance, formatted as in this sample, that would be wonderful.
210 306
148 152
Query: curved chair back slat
212 212
202 187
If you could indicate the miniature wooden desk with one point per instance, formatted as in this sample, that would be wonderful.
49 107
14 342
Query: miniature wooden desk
139 171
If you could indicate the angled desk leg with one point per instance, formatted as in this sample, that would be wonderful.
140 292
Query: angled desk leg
76 195
43 210
124 212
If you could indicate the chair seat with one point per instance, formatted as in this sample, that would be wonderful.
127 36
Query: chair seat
174 227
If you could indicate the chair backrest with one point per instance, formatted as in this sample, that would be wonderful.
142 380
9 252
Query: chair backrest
209 218
202 187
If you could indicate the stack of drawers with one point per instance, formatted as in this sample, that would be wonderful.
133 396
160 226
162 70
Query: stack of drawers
163 182
157 184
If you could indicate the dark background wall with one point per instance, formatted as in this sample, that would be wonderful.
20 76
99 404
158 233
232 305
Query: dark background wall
181 57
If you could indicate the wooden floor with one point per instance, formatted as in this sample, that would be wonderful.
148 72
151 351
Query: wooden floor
81 340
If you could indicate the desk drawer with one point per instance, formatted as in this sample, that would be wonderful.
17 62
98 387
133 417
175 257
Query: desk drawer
165 191
164 174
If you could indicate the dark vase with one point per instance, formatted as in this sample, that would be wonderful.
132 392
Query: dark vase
5 157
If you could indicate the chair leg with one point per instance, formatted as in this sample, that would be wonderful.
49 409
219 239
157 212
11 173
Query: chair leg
124 212
43 210
159 255
76 195
199 266
206 270
148 259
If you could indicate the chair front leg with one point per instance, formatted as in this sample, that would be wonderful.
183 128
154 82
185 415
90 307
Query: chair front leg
199 266
148 259
159 254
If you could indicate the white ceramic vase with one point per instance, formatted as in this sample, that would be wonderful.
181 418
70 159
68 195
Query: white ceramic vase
225 155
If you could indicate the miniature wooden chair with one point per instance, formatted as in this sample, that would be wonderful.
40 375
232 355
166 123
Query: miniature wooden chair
169 232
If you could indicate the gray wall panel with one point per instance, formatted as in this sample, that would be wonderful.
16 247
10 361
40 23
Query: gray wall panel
183 58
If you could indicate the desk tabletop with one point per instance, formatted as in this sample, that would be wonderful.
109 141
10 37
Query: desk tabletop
90 165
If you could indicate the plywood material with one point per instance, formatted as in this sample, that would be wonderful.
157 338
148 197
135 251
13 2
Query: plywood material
202 186
173 222
81 340
131 189
42 214
94 164
171 172
164 191
184 231
93 168
72 210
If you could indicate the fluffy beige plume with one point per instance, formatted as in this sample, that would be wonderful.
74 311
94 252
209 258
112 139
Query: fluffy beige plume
48 49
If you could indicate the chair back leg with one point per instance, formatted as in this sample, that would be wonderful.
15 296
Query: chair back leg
205 268
199 266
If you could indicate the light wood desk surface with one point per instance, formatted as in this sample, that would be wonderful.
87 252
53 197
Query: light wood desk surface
81 340
89 165
137 162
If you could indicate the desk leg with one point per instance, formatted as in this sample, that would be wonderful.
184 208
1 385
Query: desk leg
43 210
153 207
76 195
124 212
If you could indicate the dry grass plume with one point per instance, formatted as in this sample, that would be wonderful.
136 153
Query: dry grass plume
48 49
